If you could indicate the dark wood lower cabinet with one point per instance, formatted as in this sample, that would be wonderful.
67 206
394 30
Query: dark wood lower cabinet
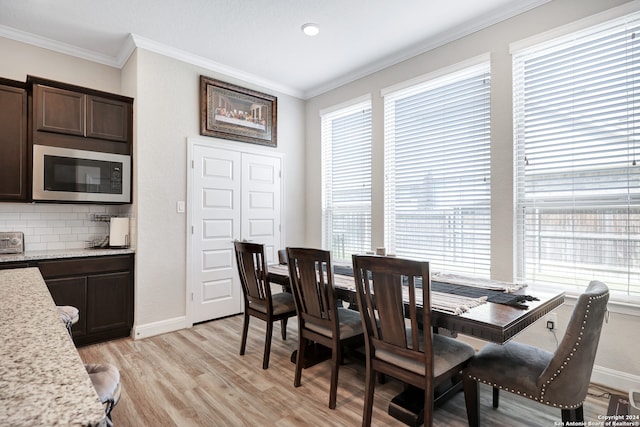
105 308
71 291
102 290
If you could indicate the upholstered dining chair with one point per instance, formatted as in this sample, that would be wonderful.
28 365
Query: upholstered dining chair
259 301
105 378
321 318
559 379
399 338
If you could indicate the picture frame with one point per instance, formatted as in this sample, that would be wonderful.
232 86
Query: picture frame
240 114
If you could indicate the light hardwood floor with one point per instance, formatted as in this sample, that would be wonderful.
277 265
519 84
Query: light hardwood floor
196 377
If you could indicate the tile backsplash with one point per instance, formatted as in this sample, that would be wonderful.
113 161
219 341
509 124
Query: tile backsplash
57 226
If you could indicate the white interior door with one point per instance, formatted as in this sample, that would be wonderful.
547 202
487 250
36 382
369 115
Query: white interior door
234 195
215 211
261 179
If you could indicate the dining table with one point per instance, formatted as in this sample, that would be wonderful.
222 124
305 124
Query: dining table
497 317
488 321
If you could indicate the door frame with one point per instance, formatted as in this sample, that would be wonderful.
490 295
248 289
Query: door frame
219 144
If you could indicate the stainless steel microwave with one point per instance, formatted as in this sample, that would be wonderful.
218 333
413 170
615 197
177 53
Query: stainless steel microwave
69 175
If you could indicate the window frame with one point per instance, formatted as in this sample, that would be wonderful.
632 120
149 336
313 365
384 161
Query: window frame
430 84
529 49
329 206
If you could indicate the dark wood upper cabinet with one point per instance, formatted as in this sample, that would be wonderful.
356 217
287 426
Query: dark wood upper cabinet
59 110
71 116
13 141
108 119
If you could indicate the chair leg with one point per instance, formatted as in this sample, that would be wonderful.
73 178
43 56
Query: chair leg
267 345
245 329
336 356
427 412
302 344
576 414
472 401
496 397
369 387
283 327
110 406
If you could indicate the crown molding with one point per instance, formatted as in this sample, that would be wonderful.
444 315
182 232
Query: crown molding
199 61
64 48
134 41
430 44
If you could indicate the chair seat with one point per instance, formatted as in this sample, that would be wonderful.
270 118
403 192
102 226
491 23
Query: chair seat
447 353
68 314
282 303
106 380
350 324
512 366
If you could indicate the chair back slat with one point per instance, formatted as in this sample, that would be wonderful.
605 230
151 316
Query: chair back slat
253 272
391 322
389 307
312 285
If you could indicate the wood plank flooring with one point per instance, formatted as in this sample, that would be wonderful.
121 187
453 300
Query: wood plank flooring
196 377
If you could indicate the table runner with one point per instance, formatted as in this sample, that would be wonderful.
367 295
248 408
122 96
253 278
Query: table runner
456 304
472 288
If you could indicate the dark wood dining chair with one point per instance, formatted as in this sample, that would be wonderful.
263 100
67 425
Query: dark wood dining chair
559 379
399 340
321 319
259 301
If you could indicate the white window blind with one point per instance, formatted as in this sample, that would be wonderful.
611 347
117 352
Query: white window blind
576 136
346 180
437 166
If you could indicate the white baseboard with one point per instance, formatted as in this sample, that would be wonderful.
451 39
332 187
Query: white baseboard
161 327
616 380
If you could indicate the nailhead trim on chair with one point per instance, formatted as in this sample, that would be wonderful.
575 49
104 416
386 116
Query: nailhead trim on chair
544 386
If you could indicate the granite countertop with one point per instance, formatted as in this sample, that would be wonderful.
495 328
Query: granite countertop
63 253
43 381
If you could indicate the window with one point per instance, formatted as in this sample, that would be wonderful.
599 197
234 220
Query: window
576 126
437 166
346 180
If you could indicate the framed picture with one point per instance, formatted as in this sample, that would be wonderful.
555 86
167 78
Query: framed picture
233 112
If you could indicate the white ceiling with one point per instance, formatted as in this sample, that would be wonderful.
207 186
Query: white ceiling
256 40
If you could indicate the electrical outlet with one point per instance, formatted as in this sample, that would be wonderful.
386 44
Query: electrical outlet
551 321
551 325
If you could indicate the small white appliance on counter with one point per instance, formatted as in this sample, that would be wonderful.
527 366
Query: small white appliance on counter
119 232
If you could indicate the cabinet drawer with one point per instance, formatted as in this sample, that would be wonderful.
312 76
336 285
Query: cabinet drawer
84 266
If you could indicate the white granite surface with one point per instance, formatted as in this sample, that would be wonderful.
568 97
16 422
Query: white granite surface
43 381
62 253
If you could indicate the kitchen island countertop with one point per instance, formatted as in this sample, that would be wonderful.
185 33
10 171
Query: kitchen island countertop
43 381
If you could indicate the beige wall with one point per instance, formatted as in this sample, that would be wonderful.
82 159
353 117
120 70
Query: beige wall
166 113
615 367
167 97
20 60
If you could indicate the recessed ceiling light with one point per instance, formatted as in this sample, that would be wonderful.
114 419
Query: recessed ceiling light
310 29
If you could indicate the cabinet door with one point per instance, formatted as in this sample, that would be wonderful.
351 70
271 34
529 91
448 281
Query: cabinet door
108 119
71 291
59 110
109 301
13 143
